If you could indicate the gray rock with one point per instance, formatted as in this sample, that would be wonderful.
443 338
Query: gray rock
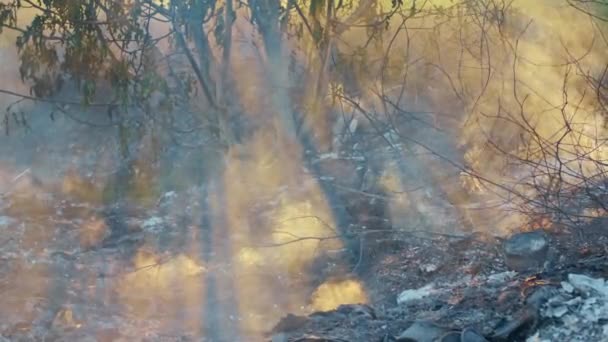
566 286
152 223
557 311
422 331
452 336
167 199
587 284
579 311
526 251
280 337
536 338
470 335
541 295
428 268
500 278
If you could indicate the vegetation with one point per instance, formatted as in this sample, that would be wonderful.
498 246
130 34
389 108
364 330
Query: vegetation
305 132
465 82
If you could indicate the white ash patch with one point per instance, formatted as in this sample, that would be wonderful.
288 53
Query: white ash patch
579 312
428 268
415 294
154 223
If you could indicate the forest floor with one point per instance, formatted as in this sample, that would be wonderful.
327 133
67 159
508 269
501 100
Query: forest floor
58 283
448 288
421 286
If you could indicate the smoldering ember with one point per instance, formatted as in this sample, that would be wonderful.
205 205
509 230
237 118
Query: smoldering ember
304 170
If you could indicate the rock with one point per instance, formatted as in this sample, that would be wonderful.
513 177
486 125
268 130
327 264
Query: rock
526 251
557 311
428 268
422 331
152 222
452 336
587 284
167 199
579 311
541 295
536 338
414 294
567 287
525 320
500 278
358 310
289 323
280 337
470 335
594 311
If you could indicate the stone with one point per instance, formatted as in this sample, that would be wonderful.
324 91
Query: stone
289 323
567 287
415 294
500 278
452 336
152 222
422 331
167 199
357 310
428 268
541 295
470 335
536 338
587 284
526 251
557 311
280 337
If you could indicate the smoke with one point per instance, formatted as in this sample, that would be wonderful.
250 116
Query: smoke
495 81
440 99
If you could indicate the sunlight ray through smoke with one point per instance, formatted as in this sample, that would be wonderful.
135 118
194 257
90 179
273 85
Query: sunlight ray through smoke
459 102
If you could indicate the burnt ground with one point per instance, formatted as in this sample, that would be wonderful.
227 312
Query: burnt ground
420 284
455 281
463 283
432 282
